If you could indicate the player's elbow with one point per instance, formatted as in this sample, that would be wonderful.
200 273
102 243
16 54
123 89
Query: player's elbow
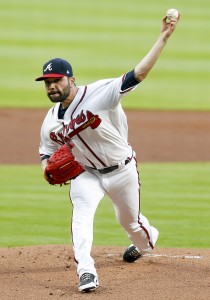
140 75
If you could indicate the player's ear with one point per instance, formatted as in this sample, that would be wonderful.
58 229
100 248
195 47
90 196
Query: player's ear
72 80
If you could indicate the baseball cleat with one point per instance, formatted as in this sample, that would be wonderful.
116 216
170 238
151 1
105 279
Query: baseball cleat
88 283
131 254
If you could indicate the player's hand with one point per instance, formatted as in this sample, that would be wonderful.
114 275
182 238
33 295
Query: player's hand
168 27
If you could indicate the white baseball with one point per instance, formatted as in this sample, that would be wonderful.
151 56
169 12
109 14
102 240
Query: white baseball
172 13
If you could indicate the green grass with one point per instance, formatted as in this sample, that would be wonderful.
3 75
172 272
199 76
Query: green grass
175 198
105 39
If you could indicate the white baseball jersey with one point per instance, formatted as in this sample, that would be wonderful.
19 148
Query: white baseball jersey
103 146
96 124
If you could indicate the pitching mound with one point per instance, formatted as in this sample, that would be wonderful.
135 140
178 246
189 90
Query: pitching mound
48 272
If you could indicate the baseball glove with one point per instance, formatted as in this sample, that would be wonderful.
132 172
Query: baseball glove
62 166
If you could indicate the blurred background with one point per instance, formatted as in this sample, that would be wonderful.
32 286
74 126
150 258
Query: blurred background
103 39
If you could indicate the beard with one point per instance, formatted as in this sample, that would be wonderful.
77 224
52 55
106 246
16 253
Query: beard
59 96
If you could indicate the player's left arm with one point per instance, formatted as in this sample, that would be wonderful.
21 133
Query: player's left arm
146 64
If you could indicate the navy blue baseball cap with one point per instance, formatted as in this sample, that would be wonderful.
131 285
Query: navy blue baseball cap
56 68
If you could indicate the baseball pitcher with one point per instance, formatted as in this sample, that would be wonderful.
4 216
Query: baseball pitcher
84 139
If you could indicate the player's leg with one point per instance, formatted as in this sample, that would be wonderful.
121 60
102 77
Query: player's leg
86 193
124 190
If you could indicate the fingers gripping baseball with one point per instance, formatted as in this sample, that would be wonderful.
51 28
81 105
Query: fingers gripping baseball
169 22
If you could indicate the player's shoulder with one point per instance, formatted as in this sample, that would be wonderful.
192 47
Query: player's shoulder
104 82
53 110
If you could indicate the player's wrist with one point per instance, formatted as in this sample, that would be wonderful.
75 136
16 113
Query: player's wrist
163 38
44 164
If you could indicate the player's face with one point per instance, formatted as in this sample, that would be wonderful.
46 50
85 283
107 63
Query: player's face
58 89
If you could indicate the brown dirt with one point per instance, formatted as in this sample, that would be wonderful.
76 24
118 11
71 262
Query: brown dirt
48 272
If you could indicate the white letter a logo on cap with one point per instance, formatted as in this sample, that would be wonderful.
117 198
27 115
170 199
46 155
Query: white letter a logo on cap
48 67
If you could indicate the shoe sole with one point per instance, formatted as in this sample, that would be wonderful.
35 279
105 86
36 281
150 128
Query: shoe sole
88 287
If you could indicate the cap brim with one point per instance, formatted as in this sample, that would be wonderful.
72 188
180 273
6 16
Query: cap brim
49 76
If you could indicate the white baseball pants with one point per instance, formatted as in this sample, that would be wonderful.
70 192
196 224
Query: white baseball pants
123 188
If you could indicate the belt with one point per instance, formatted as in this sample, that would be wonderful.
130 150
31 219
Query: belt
109 169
